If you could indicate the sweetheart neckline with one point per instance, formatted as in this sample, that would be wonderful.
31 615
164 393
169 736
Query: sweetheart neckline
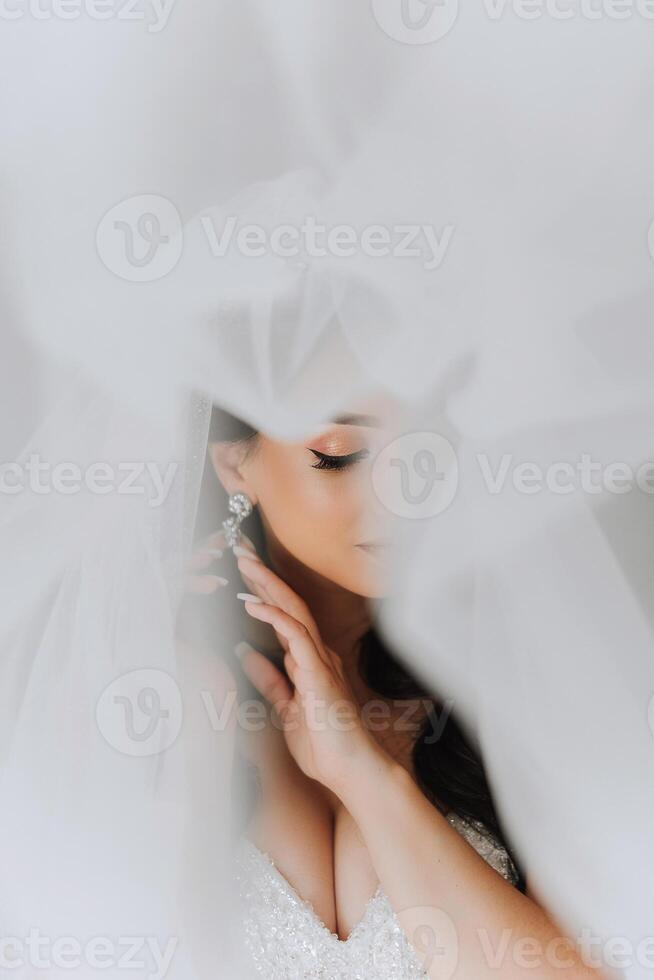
472 830
378 894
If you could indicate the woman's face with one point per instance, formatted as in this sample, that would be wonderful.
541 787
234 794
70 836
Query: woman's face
316 499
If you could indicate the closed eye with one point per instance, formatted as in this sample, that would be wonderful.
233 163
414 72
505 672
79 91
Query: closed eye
326 462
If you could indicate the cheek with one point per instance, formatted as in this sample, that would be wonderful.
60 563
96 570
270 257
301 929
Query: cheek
312 513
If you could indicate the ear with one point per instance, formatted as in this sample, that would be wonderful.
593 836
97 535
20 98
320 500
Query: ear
228 459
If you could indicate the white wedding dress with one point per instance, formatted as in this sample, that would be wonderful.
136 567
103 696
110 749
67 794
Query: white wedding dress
287 940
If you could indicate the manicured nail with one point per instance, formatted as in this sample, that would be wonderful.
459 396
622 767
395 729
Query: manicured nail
214 552
241 649
247 597
245 552
218 579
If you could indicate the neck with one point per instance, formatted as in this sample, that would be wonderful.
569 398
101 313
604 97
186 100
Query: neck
342 617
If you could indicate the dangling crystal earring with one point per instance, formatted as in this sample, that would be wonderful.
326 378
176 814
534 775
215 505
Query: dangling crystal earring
240 507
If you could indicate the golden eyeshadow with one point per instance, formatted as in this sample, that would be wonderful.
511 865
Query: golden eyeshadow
333 444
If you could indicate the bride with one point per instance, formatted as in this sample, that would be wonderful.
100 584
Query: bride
372 847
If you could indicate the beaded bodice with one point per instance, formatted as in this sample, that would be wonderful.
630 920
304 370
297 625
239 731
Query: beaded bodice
287 940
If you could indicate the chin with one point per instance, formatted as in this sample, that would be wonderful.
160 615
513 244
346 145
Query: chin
372 590
366 575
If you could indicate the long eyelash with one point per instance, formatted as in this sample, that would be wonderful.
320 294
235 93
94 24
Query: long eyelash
326 462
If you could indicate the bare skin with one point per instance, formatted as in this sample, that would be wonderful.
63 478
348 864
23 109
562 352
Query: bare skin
340 811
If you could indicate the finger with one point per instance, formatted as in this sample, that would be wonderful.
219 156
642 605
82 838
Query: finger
280 594
335 661
251 596
240 550
218 541
202 559
264 675
300 642
291 666
255 586
205 584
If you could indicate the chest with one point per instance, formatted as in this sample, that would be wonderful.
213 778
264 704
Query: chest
288 941
311 837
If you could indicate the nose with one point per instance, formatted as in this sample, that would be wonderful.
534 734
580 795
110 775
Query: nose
374 517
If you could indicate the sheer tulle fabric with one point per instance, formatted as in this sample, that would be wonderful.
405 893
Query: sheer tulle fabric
531 339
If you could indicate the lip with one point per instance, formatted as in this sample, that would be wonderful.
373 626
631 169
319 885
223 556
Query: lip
373 547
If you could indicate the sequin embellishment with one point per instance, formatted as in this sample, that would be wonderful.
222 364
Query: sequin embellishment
287 940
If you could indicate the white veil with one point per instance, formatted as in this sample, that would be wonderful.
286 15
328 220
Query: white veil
517 334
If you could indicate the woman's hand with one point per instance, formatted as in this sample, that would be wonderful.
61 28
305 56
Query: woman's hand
315 704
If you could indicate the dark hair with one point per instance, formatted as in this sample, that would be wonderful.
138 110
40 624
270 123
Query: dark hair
449 770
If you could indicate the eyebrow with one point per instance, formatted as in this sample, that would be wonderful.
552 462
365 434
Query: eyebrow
369 420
